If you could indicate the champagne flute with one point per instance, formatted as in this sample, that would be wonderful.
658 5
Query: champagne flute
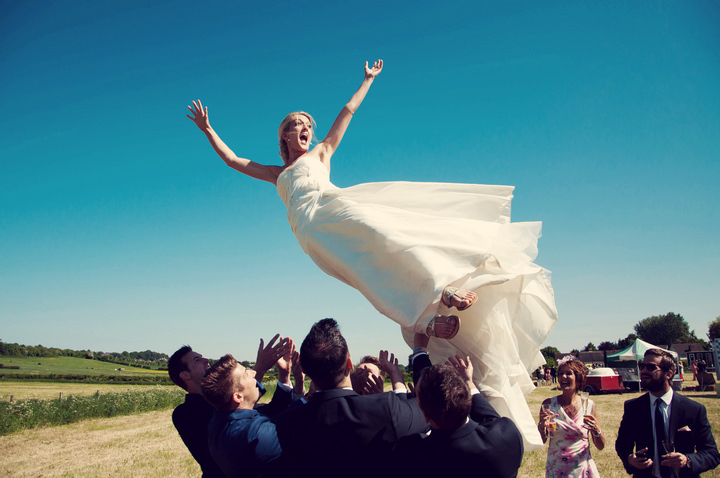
551 426
584 397
669 447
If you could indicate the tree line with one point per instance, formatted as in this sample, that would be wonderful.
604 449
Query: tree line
666 329
145 358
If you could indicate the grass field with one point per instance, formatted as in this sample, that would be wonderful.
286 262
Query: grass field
25 389
70 365
147 444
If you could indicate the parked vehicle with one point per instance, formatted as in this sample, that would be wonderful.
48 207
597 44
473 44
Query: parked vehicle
603 380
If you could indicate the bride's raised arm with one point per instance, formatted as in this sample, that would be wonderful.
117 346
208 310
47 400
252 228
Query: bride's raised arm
245 166
327 146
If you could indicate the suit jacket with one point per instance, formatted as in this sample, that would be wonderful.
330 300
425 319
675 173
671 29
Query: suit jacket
689 429
191 421
338 431
243 443
487 443
192 417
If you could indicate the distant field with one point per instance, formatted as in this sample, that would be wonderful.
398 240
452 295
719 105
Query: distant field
70 365
26 389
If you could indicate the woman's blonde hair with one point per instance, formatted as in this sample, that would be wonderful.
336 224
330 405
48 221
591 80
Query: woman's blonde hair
284 152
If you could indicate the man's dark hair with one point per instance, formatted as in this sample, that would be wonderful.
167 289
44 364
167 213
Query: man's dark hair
218 385
667 361
177 365
324 353
444 396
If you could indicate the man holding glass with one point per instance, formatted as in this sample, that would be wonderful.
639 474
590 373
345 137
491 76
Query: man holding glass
663 434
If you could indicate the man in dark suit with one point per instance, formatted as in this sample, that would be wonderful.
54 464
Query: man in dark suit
664 416
467 433
186 369
338 429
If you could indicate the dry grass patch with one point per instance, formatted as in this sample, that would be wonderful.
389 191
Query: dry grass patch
139 445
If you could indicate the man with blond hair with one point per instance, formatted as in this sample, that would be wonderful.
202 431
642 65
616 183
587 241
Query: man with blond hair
242 441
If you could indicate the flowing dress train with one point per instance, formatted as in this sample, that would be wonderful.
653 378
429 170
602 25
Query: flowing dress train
401 243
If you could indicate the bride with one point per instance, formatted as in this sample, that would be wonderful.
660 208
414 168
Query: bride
421 253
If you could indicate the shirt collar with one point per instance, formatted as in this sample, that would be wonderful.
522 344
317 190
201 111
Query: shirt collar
667 398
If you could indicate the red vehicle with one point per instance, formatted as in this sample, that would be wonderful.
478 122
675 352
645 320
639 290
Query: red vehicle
603 380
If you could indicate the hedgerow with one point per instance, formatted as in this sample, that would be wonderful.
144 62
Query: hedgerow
25 414
137 379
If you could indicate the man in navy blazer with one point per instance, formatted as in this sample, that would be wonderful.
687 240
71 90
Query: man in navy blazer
682 421
338 430
467 433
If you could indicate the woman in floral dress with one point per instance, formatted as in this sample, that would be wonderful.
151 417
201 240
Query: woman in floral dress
570 423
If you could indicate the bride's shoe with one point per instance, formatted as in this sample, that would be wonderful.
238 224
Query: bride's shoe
454 297
449 326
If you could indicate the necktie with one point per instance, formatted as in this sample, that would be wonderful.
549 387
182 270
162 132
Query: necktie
660 434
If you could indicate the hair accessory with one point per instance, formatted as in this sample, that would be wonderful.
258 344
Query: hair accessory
566 359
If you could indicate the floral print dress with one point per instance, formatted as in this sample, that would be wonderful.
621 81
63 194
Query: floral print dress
569 449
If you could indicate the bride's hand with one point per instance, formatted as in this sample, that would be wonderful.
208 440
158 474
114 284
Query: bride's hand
199 115
375 70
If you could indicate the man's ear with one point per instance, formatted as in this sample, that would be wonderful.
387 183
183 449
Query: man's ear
185 375
238 398
348 365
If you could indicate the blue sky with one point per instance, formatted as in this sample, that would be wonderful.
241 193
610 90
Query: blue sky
120 229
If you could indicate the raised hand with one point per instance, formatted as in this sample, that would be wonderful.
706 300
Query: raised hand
390 364
298 375
200 115
375 70
462 366
284 363
267 356
365 383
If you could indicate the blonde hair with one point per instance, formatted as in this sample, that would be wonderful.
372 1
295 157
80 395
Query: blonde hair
220 383
284 152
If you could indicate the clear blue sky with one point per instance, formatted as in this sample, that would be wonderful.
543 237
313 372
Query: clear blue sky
120 229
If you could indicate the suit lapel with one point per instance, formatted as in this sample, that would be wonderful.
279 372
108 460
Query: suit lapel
676 415
645 423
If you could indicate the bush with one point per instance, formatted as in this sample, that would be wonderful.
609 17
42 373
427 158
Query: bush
34 413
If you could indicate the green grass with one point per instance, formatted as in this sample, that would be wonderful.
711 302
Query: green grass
33 413
68 365
27 389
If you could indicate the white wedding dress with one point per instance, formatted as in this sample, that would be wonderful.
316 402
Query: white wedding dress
401 243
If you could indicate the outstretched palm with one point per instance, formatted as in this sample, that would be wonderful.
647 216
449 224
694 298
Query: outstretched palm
375 70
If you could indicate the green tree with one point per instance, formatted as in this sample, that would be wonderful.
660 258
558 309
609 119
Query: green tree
607 345
590 347
664 329
714 329
549 354
627 341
